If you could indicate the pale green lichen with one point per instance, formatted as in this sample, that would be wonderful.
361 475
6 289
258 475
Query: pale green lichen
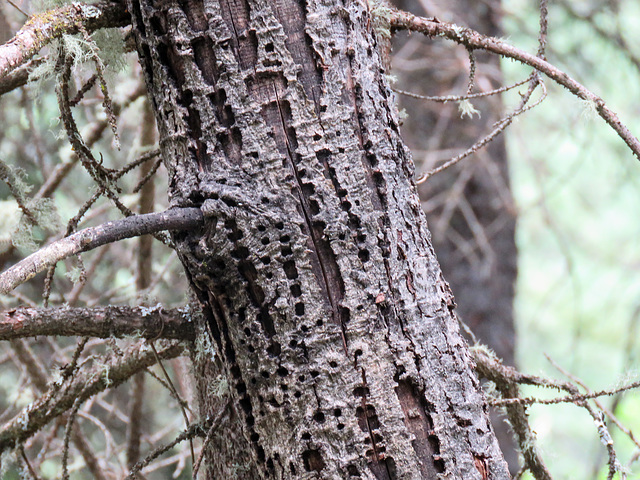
381 18
466 109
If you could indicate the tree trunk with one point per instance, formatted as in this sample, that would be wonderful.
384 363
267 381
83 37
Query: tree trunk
318 285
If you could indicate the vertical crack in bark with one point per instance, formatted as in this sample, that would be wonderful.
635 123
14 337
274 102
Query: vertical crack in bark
331 277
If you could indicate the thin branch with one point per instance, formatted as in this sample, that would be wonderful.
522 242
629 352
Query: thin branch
112 373
44 27
93 237
500 126
458 98
195 430
507 380
433 27
573 398
98 322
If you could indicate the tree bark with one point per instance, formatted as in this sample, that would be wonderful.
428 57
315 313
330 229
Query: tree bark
325 304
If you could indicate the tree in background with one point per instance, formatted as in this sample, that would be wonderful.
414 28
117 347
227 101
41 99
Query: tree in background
469 206
322 335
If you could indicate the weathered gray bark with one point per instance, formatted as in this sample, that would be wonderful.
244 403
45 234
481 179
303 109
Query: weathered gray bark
315 275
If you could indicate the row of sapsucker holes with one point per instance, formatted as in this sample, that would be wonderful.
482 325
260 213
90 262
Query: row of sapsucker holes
311 459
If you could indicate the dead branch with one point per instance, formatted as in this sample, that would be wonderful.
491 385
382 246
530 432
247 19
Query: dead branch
507 380
112 373
432 27
93 237
44 27
98 322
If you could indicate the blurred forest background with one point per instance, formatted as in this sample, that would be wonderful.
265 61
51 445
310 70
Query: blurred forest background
575 189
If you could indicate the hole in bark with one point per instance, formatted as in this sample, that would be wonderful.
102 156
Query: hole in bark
269 47
286 251
264 374
266 321
241 388
251 349
299 309
292 469
319 417
312 460
316 137
247 332
306 436
314 373
308 189
319 323
240 253
293 344
367 418
285 239
314 207
361 391
363 255
254 437
266 260
296 291
463 422
265 241
346 206
279 225
157 26
265 200
337 412
261 228
353 471
274 349
340 426
354 222
304 328
290 269
297 394
282 371
333 364
260 452
245 403
284 387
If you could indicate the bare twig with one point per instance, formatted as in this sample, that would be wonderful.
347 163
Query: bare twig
500 126
195 430
458 98
112 373
474 40
93 237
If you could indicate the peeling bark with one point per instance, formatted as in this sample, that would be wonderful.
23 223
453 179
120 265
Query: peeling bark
319 287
